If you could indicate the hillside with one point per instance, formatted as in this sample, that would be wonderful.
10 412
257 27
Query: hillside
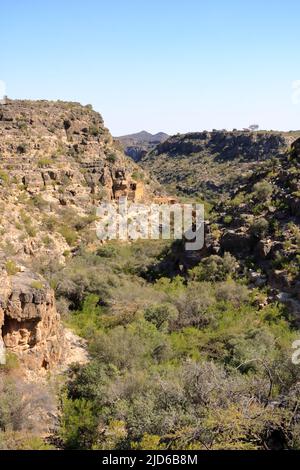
206 164
201 357
260 226
57 161
137 145
144 345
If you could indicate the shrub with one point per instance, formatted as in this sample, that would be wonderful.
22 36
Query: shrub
44 162
195 305
107 251
50 223
47 241
39 202
259 228
95 131
22 124
237 200
32 442
215 268
37 285
31 231
227 219
138 176
112 158
4 178
232 292
263 190
161 315
11 268
78 424
69 234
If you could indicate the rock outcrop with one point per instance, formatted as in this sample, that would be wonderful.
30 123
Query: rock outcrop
29 323
58 162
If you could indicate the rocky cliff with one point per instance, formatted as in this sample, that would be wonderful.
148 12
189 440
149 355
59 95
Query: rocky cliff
29 321
57 162
206 164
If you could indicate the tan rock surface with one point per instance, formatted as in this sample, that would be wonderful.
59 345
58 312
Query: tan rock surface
29 321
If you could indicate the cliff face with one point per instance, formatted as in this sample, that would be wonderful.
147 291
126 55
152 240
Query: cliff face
227 145
29 321
208 163
57 162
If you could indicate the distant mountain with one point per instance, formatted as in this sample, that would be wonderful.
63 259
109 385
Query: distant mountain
138 145
143 137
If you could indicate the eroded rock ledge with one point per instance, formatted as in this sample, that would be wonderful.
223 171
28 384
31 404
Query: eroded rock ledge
29 322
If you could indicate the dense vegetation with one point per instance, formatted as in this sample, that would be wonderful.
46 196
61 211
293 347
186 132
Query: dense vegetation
181 363
186 352
207 165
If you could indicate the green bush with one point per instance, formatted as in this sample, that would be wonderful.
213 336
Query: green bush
39 202
44 162
37 285
111 158
30 229
11 268
161 315
263 190
69 234
4 178
95 131
259 228
215 268
78 424
227 219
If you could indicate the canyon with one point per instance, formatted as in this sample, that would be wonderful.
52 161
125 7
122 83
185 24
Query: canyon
119 344
57 162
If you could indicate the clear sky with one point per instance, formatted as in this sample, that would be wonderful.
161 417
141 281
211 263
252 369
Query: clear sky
165 65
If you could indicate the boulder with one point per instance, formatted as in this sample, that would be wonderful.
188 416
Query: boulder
263 249
236 242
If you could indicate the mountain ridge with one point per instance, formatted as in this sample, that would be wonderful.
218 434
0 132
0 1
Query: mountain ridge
201 164
137 145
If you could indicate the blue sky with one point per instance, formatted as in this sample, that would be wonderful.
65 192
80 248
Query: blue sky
166 65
